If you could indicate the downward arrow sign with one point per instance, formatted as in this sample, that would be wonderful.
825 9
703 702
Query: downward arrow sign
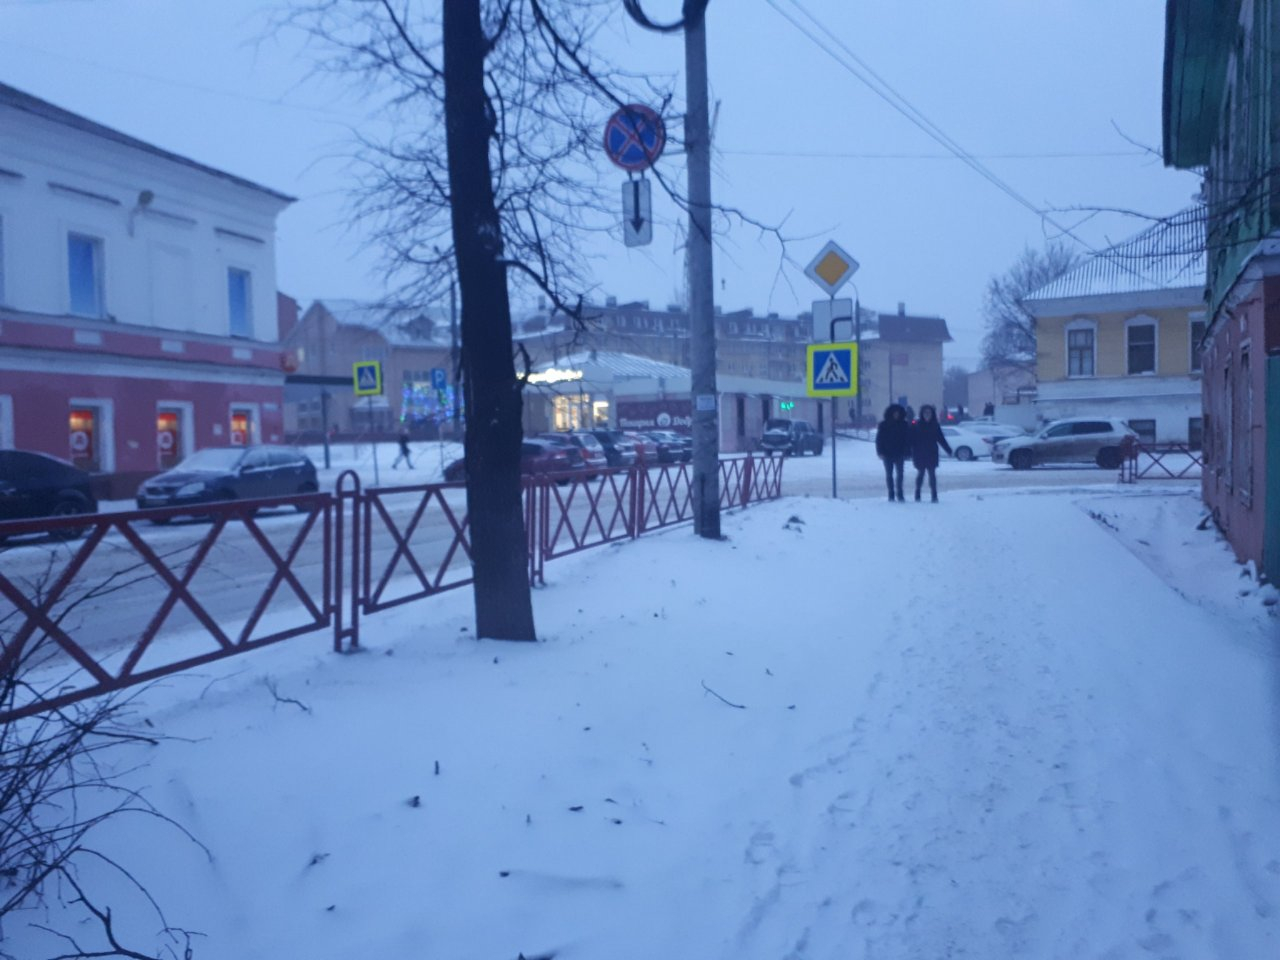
637 213
637 221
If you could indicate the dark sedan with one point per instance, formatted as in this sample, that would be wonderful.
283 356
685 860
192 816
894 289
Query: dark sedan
231 473
618 448
536 457
672 447
37 485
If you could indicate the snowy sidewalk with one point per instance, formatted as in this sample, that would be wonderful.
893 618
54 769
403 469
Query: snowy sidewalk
983 728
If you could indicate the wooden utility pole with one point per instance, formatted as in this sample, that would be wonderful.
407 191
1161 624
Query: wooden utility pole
702 320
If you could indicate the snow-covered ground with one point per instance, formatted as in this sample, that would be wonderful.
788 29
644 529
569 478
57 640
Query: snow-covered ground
1018 723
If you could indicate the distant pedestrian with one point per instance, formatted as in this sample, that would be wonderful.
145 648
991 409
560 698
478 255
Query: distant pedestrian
404 451
988 409
893 443
926 437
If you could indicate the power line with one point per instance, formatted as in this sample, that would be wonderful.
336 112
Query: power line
39 3
171 81
839 155
855 65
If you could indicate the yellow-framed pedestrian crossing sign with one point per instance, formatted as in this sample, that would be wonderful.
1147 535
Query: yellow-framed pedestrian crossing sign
367 378
830 371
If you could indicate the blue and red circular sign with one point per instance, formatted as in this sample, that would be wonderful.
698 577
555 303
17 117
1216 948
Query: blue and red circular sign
634 137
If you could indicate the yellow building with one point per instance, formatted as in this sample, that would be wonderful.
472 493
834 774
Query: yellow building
1119 335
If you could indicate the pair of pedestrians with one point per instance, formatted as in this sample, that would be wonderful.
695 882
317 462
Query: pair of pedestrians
898 438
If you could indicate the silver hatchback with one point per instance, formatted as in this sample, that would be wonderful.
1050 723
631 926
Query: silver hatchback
1077 440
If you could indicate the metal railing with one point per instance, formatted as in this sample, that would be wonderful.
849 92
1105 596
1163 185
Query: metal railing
114 610
1173 461
98 607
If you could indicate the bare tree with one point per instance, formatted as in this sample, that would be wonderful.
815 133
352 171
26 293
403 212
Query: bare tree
495 109
955 386
1011 330
58 788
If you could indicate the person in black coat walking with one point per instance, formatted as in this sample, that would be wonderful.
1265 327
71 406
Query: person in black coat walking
893 443
926 437
404 451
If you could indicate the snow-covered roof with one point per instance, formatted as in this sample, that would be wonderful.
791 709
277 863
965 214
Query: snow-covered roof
900 328
19 100
621 365
400 327
1168 255
405 327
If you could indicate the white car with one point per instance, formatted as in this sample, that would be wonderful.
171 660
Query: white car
989 428
1100 440
966 444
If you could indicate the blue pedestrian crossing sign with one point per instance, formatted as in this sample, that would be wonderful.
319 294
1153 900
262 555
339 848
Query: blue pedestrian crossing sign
367 375
830 370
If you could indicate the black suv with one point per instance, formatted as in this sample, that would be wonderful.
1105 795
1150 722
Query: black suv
790 438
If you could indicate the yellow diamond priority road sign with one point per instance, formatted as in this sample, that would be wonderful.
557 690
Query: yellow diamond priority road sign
831 268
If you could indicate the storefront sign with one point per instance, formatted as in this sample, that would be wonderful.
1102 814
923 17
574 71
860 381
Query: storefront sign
555 376
655 414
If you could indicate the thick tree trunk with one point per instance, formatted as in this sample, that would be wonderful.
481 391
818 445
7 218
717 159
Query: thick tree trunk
504 608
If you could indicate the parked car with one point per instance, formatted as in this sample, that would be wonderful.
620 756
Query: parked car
672 447
1075 440
618 447
594 459
989 428
230 473
790 438
966 444
38 485
537 456
646 447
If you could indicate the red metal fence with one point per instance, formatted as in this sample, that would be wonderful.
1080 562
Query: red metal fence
1174 461
95 606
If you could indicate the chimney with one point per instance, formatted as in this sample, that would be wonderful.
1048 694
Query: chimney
286 314
902 309
610 301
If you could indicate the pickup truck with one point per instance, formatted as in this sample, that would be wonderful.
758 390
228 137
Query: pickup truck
790 438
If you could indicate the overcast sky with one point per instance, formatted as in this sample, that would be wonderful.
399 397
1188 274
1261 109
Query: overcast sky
1050 97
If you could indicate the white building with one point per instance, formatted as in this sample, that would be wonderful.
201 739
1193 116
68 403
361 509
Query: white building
137 296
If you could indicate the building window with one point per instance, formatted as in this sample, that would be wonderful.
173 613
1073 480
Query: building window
572 412
239 302
84 437
1226 450
244 426
1145 429
1080 352
1197 339
173 433
6 423
2 300
1195 432
1244 469
84 275
1141 343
